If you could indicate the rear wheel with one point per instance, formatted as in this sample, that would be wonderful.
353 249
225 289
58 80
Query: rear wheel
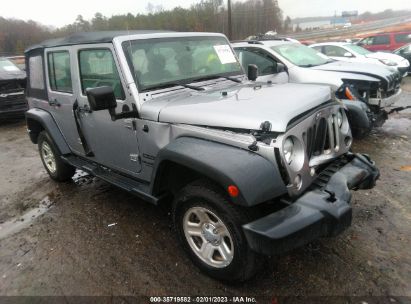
209 228
51 158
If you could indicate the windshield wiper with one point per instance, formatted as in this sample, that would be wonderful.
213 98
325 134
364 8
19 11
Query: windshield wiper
190 86
232 79
217 76
310 65
174 84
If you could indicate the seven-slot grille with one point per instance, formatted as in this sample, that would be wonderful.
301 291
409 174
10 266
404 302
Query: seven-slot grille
322 137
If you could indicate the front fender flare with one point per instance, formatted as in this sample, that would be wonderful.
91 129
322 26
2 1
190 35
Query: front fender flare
357 114
258 179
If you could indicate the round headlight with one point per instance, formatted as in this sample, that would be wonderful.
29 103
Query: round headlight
288 149
339 119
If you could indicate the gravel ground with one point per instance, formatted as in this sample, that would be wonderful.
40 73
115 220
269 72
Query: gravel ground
56 239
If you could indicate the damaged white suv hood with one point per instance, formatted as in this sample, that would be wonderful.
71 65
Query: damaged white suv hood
238 107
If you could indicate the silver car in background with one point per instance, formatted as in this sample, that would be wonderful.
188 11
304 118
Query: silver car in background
354 53
367 90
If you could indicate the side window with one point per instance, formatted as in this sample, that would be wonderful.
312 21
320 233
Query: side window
265 64
318 48
383 39
98 68
36 72
402 38
367 41
59 71
332 50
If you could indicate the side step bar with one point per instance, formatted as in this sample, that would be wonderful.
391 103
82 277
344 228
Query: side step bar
139 189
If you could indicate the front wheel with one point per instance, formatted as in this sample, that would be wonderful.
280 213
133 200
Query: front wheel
51 158
209 228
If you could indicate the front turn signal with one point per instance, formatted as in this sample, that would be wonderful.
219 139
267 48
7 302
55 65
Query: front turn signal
349 94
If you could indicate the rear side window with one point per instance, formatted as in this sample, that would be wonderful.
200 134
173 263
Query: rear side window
98 68
59 71
399 38
367 41
383 39
36 72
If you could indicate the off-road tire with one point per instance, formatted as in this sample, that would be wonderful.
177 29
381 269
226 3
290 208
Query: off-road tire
63 171
360 133
245 262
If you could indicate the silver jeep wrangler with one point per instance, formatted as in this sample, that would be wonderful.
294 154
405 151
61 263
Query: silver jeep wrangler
173 119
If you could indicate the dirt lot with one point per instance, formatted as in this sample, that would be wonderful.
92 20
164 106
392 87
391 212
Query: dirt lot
55 239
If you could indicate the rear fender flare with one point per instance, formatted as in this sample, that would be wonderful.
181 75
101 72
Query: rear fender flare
38 120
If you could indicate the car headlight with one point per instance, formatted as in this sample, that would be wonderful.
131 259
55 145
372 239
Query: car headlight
388 62
288 149
339 119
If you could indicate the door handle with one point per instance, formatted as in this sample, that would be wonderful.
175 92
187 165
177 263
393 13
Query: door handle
128 123
54 102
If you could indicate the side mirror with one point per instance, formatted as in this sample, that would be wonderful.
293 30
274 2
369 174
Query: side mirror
101 98
280 67
348 54
252 72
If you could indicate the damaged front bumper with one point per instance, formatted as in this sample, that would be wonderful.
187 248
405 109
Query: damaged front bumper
386 102
322 212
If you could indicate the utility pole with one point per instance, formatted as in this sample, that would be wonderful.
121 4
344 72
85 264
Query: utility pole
230 28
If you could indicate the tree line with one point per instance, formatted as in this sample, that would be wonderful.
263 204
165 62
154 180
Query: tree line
249 17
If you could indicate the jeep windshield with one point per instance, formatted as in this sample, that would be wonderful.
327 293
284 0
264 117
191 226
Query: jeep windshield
301 55
165 62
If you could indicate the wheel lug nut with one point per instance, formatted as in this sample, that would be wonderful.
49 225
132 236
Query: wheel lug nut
207 226
215 231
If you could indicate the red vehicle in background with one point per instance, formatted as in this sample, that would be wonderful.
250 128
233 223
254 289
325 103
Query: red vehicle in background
385 41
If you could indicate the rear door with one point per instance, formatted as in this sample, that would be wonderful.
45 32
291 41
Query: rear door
113 143
380 43
401 39
61 94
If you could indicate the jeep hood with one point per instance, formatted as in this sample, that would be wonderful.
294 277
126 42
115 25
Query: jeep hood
239 107
348 70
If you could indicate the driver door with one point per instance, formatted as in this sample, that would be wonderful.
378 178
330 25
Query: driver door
113 143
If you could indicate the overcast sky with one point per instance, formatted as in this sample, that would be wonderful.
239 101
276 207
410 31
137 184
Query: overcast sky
58 13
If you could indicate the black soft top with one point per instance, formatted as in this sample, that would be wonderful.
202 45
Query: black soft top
88 38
